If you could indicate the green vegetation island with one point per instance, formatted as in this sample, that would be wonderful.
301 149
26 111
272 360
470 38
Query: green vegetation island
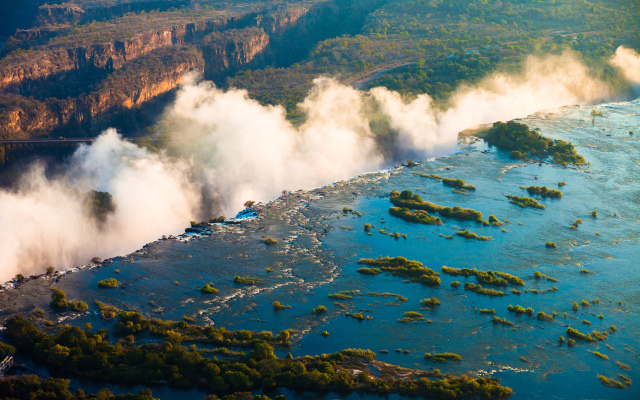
523 142
407 199
525 202
400 266
419 216
543 191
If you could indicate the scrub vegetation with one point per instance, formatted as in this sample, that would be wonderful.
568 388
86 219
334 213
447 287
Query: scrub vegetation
419 216
400 266
525 202
409 200
80 352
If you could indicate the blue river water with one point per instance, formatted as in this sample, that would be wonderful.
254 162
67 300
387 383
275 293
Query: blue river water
319 245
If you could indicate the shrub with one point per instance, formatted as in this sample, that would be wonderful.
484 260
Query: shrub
79 306
457 183
411 316
108 283
455 284
208 289
544 192
369 271
245 280
442 357
478 289
269 240
419 216
430 302
58 299
551 245
525 202
319 310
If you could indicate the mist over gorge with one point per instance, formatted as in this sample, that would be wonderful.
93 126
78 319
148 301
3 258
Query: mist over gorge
227 148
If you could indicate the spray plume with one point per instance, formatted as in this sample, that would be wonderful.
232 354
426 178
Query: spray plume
227 148
629 62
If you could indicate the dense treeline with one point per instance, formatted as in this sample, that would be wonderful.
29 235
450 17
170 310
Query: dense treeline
35 388
77 351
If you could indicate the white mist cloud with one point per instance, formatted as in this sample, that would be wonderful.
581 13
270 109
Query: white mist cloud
45 222
545 84
250 152
628 61
227 149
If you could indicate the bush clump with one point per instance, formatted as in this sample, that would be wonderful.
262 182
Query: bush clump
208 289
457 183
544 192
369 271
109 283
442 357
480 290
419 216
245 280
525 202
279 306
78 306
411 316
59 300
413 201
269 240
319 310
400 266
430 302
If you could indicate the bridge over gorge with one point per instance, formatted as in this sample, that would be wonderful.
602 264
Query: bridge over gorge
5 365
13 149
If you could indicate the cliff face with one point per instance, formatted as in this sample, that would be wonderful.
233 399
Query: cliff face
59 13
81 90
108 56
70 12
22 118
228 51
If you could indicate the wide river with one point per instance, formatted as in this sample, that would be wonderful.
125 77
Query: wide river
319 245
